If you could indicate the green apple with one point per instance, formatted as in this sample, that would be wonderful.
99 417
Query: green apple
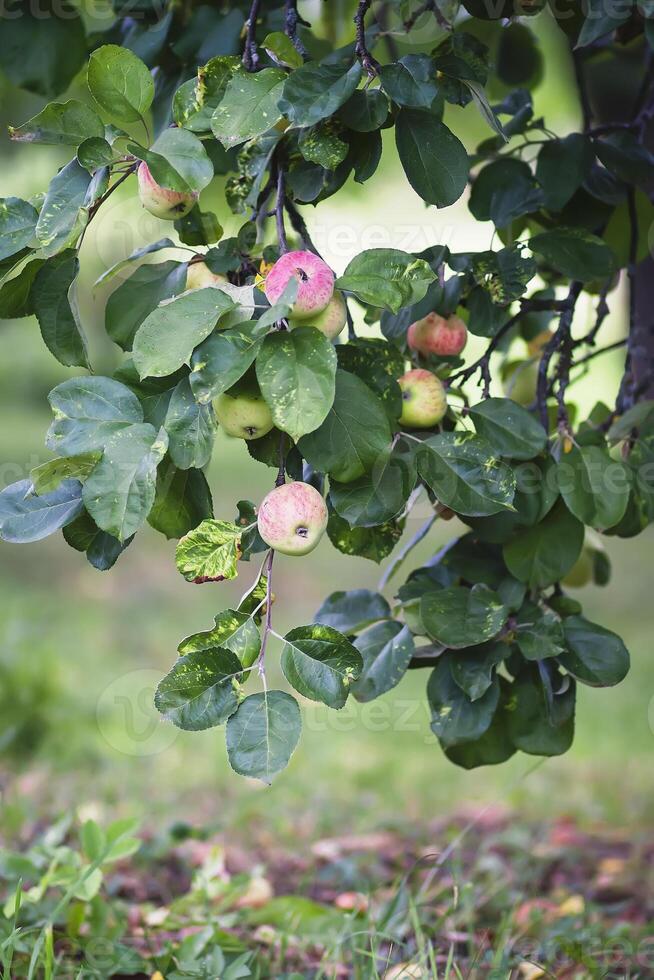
330 321
161 201
424 402
243 413
581 572
520 381
292 518
200 275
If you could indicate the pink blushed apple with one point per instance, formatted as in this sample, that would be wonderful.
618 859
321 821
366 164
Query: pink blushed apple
160 201
434 334
200 275
292 518
330 321
424 402
315 282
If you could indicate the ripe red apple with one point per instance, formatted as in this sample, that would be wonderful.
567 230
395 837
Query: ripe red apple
315 282
243 413
160 201
330 321
200 275
292 518
424 401
436 335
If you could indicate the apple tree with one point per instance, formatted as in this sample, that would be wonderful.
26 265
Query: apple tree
257 334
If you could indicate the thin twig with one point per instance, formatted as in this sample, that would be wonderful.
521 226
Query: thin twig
559 339
291 20
360 47
268 620
250 54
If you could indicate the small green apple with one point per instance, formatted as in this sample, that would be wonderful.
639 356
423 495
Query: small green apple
581 572
161 201
243 413
200 275
424 402
292 518
329 321
520 381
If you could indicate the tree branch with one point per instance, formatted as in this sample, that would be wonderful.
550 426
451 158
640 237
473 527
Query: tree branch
560 339
250 54
291 20
360 47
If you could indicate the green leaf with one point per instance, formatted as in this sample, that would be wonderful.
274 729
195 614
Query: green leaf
474 670
140 294
120 83
200 692
465 474
177 160
320 663
60 220
60 123
120 491
543 554
386 649
51 296
434 159
182 501
455 719
352 611
625 155
88 411
25 517
594 486
321 145
315 91
534 727
373 543
42 48
296 371
503 275
232 630
539 633
459 617
281 49
504 191
575 252
354 435
195 101
249 106
509 428
365 111
600 19
222 360
17 225
210 552
138 253
263 734
93 839
594 655
102 549
411 81
48 476
377 496
492 747
190 428
387 278
167 337
16 299
94 153
562 167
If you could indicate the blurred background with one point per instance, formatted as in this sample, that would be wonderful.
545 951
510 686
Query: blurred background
81 651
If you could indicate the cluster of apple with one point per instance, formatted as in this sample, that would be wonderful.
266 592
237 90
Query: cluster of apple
293 517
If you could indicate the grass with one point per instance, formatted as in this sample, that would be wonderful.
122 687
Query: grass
479 898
